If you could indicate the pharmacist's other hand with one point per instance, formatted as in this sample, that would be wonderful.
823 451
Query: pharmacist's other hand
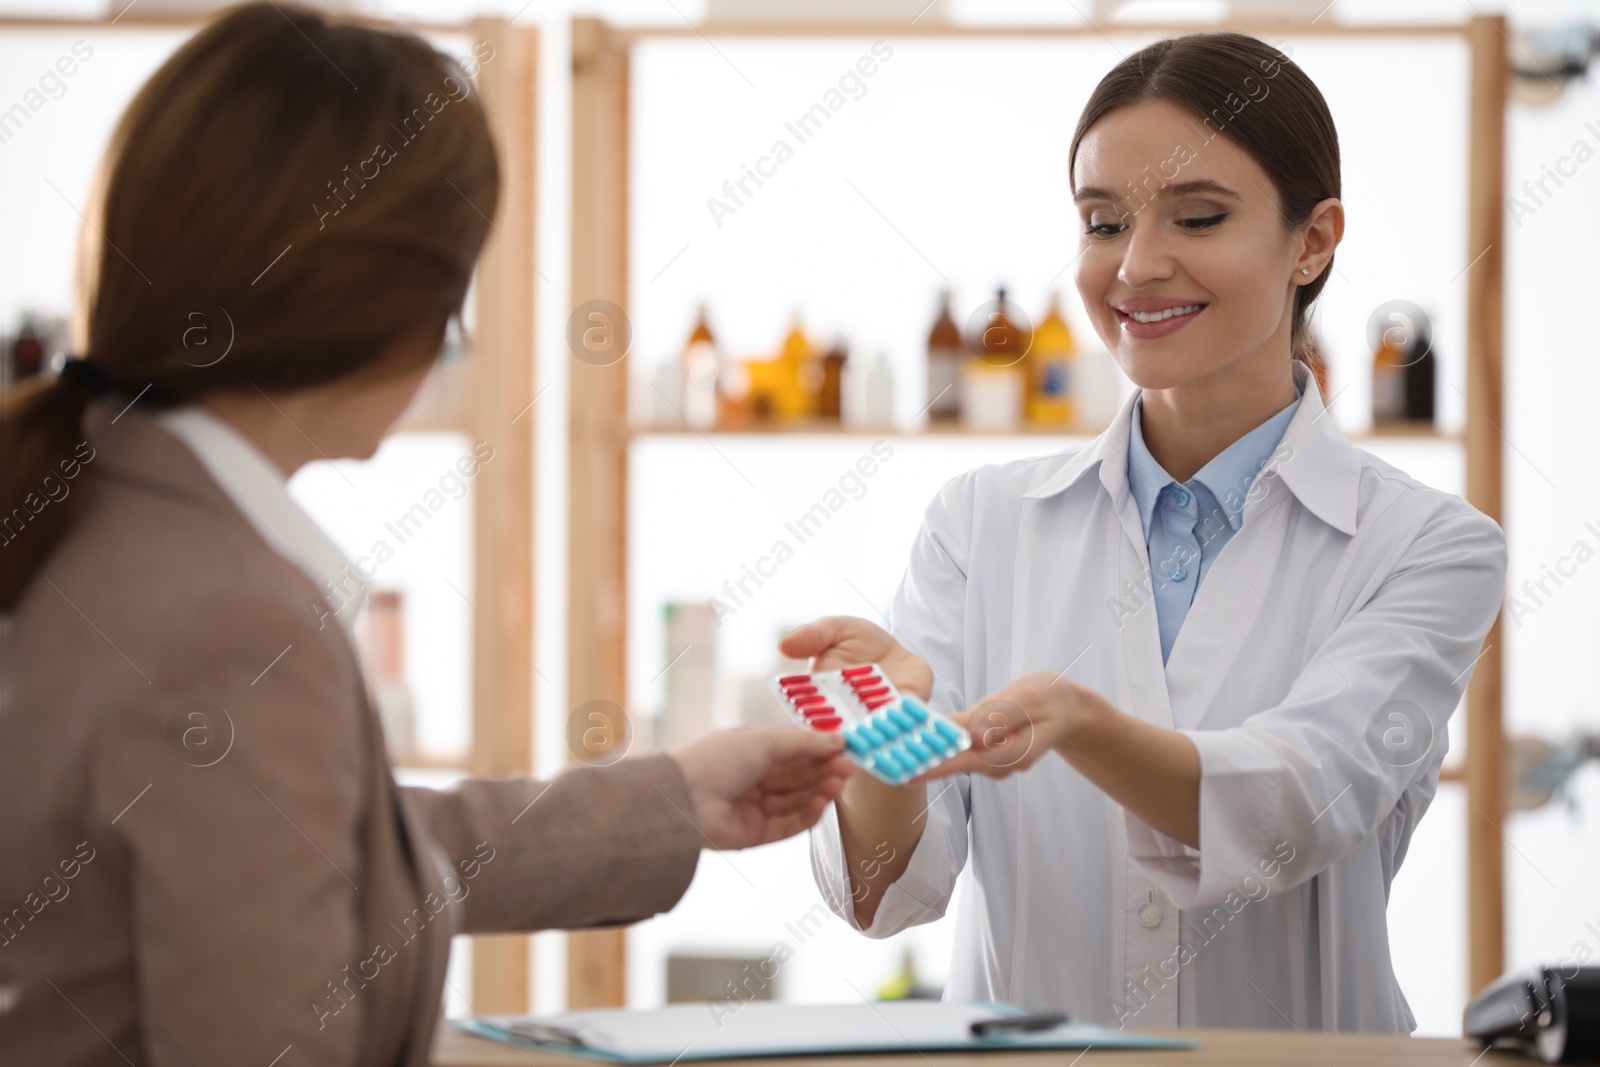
756 784
836 641
1013 728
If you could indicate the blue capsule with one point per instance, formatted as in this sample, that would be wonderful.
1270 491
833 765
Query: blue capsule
934 739
914 708
887 766
856 741
947 730
905 766
886 726
870 731
923 753
900 718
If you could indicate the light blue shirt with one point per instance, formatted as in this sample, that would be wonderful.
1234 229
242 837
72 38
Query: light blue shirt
1185 526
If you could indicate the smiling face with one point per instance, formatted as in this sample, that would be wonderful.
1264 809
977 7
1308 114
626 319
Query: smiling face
1192 281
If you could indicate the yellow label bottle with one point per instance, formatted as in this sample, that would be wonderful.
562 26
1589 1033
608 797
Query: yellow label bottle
1053 359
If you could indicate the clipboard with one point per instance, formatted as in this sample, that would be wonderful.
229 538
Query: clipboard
732 1029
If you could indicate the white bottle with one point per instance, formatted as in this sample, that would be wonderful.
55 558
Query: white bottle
1099 391
665 402
878 393
701 365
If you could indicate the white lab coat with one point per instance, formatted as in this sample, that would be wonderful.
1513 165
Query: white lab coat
1351 595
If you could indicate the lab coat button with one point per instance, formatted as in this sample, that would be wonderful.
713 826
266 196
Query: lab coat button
1181 498
1181 573
1150 915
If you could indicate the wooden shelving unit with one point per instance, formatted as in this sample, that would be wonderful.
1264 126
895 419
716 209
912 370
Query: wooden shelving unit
601 434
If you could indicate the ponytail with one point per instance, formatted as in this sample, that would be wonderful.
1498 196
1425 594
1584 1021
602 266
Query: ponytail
41 438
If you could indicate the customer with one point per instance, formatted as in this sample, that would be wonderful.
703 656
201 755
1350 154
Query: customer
324 188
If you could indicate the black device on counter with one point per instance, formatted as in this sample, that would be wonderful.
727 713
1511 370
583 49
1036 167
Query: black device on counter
1552 1013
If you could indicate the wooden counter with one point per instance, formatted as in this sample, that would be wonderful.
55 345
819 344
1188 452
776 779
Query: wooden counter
1219 1048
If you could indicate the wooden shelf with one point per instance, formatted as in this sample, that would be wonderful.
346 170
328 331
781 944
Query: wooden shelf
1387 432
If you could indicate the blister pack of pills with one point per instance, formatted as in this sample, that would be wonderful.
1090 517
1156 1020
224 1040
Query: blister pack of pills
893 736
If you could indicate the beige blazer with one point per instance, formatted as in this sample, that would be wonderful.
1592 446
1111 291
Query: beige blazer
204 858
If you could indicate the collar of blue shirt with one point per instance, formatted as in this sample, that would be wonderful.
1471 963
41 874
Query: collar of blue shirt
1227 476
1322 468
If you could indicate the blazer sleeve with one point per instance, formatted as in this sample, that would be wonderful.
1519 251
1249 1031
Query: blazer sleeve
1361 731
229 789
593 846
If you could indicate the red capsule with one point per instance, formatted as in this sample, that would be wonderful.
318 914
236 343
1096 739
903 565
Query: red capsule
817 709
877 702
864 680
808 698
851 672
826 722
869 694
794 679
798 690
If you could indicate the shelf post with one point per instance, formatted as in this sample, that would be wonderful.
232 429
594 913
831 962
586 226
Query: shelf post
597 542
501 370
1485 757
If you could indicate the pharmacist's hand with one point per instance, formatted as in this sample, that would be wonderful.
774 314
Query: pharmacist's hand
755 784
1012 729
842 640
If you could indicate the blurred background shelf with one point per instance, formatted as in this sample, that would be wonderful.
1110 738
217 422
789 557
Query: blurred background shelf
827 429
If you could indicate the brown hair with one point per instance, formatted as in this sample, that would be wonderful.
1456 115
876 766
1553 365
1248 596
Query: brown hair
263 180
1249 90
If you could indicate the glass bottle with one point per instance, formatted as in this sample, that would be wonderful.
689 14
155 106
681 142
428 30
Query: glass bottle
27 350
994 375
830 395
1421 374
701 366
802 374
1388 379
1053 356
945 353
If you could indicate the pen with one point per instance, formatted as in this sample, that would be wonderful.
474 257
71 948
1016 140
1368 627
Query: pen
547 1033
1017 1024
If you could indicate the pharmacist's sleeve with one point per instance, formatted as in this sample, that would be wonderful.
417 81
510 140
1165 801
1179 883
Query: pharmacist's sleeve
928 618
1362 726
921 894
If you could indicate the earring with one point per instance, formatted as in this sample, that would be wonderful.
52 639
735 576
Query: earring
1304 270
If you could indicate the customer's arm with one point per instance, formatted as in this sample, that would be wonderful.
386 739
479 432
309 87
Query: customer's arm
600 845
589 847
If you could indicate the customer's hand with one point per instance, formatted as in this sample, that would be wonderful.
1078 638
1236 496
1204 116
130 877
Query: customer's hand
756 784
842 640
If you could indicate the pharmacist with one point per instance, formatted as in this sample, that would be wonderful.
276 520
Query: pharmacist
1208 658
